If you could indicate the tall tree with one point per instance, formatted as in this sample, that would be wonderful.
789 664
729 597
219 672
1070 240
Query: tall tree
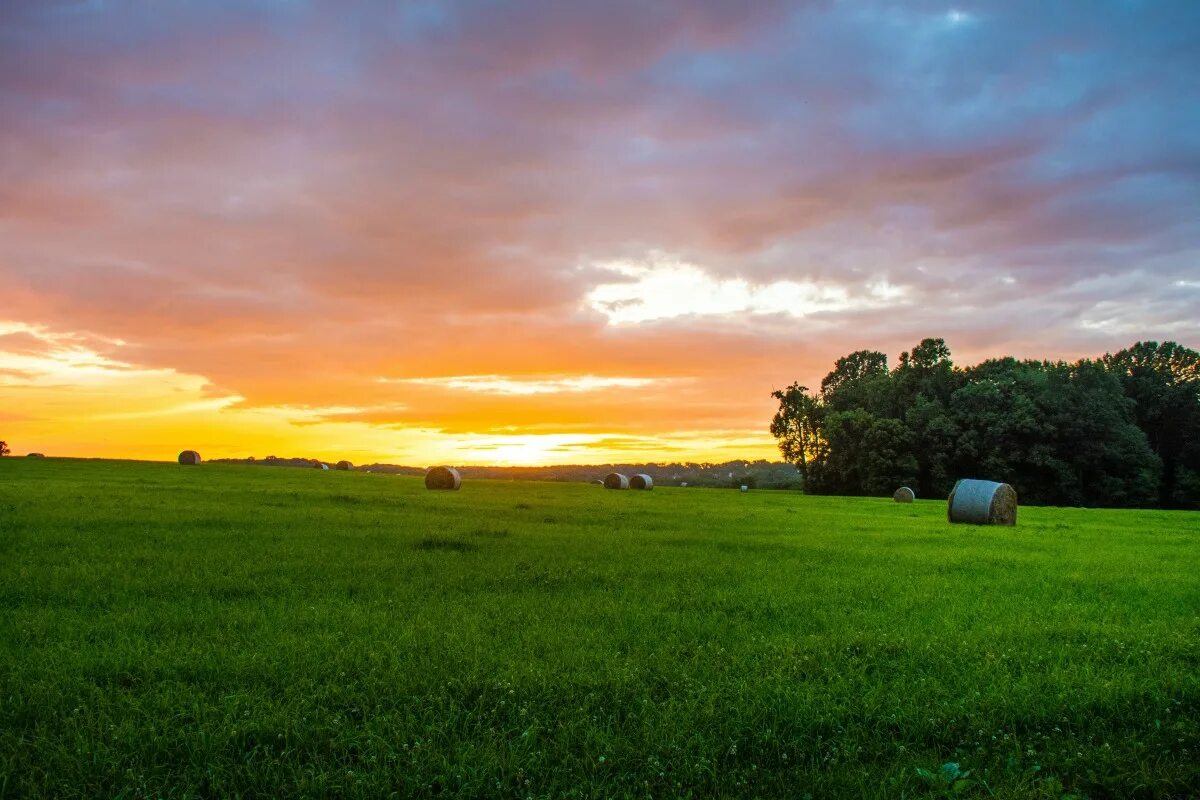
797 426
849 384
923 383
4 449
1060 433
1163 380
1122 431
867 454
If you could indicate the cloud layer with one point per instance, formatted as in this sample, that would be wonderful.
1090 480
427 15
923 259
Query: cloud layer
636 218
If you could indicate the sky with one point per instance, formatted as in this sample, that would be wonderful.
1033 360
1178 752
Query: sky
566 232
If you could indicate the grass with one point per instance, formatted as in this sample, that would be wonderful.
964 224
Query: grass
223 631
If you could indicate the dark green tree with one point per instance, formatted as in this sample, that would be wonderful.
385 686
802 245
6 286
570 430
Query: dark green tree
797 427
1059 433
1122 431
856 381
867 454
4 449
923 383
1163 380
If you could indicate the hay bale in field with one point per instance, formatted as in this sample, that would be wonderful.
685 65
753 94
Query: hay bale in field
189 457
641 481
615 480
344 465
323 466
684 484
35 455
745 488
442 478
982 503
904 495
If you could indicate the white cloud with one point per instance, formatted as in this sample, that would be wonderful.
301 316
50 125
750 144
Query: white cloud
662 288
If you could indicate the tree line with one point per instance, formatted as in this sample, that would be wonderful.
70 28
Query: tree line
1119 430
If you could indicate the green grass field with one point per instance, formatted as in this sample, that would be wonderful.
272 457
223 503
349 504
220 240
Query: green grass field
222 631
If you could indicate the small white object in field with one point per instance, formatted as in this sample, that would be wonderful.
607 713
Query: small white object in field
745 488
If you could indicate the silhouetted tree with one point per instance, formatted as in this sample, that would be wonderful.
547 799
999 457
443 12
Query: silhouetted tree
1163 381
797 426
4 449
852 378
1120 431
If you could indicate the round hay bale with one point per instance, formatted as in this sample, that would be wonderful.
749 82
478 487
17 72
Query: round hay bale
684 484
442 478
904 495
35 455
189 457
745 488
641 481
615 480
977 502
344 465
322 466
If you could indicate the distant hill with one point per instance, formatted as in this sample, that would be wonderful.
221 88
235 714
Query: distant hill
760 474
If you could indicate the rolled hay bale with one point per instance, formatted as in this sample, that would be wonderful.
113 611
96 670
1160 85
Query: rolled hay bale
977 502
442 478
189 457
641 481
344 465
35 455
615 480
322 466
745 488
904 495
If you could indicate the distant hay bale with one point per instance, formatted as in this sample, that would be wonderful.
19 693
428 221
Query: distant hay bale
344 465
442 478
684 484
641 481
615 480
35 455
982 503
745 488
322 466
904 495
189 457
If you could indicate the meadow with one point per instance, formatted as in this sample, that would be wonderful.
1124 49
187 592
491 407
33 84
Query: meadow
231 631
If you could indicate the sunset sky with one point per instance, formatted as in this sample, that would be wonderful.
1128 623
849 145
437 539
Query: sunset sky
557 232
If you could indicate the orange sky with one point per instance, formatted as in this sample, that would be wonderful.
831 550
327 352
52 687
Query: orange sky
63 397
537 232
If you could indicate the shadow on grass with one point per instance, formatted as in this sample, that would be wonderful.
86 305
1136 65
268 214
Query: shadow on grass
445 543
